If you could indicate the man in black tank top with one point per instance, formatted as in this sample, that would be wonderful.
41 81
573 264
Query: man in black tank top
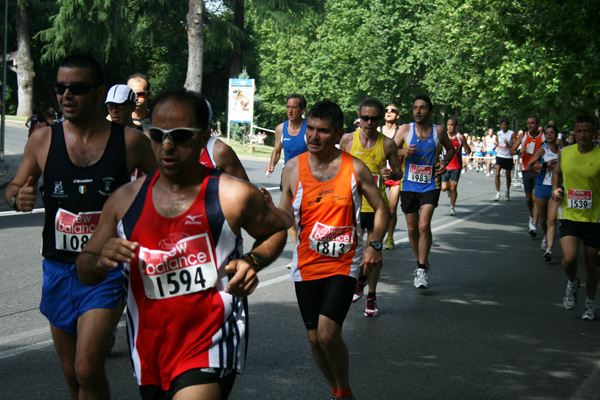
83 160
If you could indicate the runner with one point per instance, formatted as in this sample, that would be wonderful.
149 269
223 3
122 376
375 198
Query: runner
578 168
323 189
453 170
82 160
376 151
421 143
491 142
504 158
531 142
390 129
178 235
545 160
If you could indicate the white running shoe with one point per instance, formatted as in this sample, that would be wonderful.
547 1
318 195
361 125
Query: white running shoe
452 212
421 279
487 174
591 313
507 196
548 255
544 244
570 299
532 228
498 197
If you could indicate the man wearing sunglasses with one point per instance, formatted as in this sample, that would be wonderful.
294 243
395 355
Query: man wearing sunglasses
83 160
377 151
390 129
324 187
141 87
178 234
420 145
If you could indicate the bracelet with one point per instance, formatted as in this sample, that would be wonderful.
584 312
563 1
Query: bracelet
256 260
15 199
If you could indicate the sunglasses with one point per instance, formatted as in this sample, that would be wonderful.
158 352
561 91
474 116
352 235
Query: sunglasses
177 135
391 110
74 88
366 118
141 95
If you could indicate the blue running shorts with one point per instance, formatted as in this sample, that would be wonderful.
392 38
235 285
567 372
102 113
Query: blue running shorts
65 298
543 192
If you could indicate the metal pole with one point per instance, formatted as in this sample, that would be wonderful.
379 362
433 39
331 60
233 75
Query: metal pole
4 82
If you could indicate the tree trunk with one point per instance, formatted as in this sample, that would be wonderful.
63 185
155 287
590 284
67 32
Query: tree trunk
193 79
235 69
23 64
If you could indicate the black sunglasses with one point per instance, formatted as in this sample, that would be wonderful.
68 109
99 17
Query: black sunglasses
366 118
177 135
391 110
74 88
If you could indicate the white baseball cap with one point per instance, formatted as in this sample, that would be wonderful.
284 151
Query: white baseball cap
120 94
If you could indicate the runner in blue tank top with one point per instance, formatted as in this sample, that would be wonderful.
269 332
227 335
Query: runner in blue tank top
420 144
290 136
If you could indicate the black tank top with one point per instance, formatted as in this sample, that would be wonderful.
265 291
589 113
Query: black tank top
74 196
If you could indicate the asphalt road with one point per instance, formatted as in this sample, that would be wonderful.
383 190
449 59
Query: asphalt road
491 325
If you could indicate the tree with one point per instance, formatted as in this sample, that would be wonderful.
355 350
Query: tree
193 80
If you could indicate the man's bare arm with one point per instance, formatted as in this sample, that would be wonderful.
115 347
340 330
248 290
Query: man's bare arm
228 161
276 154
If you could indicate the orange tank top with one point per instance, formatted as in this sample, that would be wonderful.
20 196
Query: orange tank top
328 223
531 145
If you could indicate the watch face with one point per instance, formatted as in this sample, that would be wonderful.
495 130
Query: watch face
376 245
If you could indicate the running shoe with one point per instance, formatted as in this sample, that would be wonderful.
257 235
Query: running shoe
548 255
487 174
358 290
532 228
498 197
421 279
544 244
371 309
389 244
452 212
591 313
570 299
507 196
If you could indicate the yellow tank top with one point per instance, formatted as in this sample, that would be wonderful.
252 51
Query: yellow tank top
581 179
373 158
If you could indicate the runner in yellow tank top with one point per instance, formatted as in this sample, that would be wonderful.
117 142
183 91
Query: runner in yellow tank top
376 151
578 169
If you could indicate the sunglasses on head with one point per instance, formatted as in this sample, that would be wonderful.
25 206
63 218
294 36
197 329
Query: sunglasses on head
391 110
141 95
177 135
74 88
366 118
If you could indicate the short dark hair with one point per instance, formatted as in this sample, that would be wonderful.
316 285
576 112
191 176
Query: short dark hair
371 102
453 119
552 127
85 61
327 109
504 120
196 100
139 75
582 119
299 97
537 120
426 99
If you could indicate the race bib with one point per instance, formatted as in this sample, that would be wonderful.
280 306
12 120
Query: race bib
72 231
579 199
530 148
420 173
331 241
189 267
503 150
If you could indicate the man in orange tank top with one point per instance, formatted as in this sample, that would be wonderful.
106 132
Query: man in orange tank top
529 142
323 188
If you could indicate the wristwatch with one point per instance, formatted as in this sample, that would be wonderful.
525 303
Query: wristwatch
13 201
256 260
376 245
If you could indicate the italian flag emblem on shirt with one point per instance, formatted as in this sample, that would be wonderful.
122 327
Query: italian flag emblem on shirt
82 189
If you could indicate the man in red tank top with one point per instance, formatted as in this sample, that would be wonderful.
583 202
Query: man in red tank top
324 187
185 261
